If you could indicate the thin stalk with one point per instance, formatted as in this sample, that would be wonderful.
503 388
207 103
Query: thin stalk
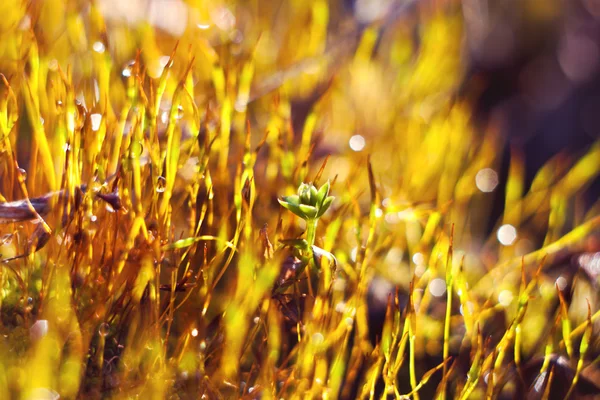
411 360
446 350
449 290
311 231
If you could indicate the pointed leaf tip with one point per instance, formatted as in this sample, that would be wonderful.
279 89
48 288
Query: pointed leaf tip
325 206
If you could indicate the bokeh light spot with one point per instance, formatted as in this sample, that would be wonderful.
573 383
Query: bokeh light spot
486 180
357 143
437 287
507 234
505 297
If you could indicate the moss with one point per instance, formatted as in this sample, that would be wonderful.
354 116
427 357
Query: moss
170 235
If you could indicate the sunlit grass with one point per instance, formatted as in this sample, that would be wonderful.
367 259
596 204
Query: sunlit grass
145 253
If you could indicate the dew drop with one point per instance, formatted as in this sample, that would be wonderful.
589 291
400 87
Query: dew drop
104 329
161 184
437 287
507 234
135 149
486 180
126 72
418 258
180 112
98 47
357 143
22 174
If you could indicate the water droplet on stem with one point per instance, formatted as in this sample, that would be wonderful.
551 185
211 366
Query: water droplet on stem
161 184
104 329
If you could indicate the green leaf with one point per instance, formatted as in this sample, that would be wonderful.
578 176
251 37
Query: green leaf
309 211
313 196
326 204
323 193
304 193
293 208
294 199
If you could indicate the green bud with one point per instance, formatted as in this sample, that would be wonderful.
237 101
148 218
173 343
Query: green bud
304 193
309 203
309 211
313 196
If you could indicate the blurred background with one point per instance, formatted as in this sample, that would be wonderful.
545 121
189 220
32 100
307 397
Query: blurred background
529 70
530 67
